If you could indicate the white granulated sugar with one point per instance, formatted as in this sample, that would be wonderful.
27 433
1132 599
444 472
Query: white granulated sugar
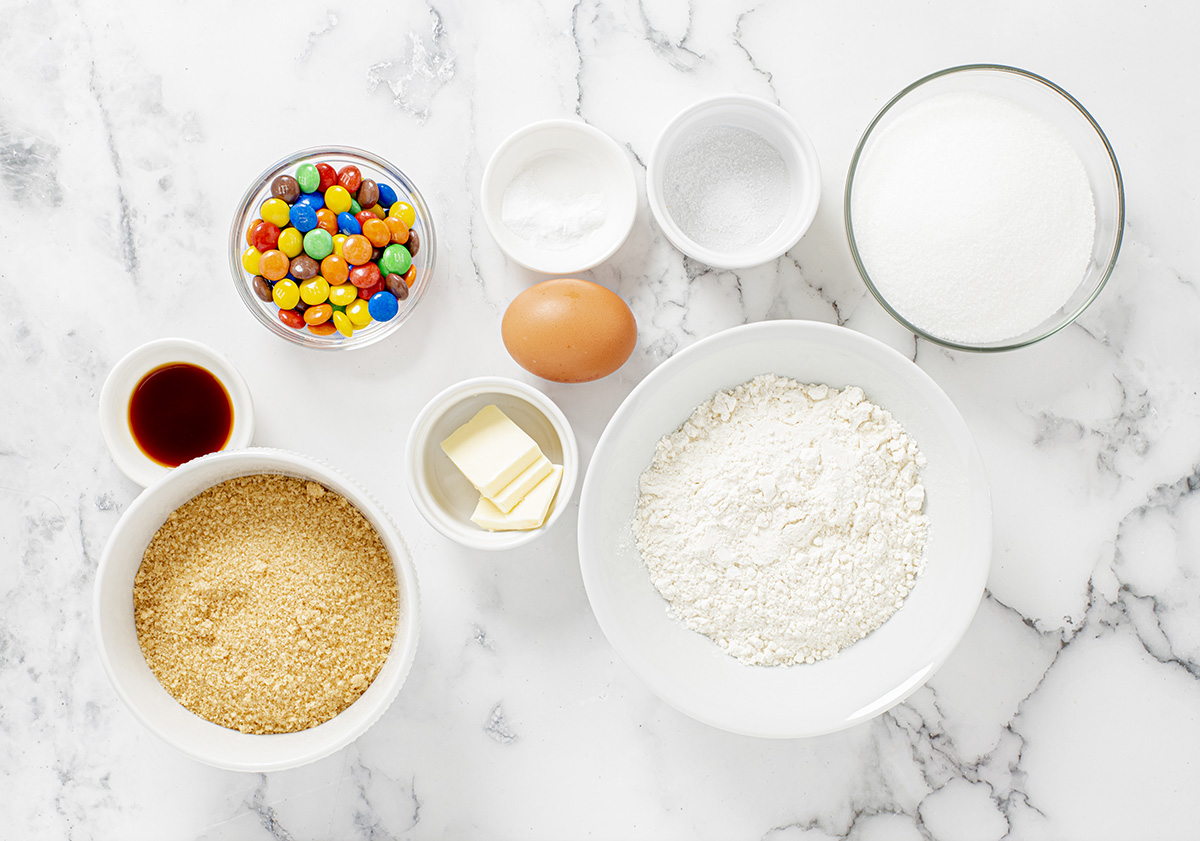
555 202
726 187
784 521
974 217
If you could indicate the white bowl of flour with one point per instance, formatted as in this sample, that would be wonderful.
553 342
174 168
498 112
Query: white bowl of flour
816 404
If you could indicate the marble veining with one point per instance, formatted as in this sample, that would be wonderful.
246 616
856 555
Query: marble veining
1071 709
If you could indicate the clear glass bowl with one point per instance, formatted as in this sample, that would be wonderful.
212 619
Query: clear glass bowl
372 167
1060 109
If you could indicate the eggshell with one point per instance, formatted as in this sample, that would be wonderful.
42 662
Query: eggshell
569 330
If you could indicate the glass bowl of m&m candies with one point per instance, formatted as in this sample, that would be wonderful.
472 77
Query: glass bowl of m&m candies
332 248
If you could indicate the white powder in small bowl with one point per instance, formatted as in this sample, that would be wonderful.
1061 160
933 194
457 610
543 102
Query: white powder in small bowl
726 187
974 217
555 202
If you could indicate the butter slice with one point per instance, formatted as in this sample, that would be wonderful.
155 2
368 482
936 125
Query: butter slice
515 491
529 513
491 450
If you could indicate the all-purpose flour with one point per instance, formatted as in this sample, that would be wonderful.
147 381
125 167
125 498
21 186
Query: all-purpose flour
784 520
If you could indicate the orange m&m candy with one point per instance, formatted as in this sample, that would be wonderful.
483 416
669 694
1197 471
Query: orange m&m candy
334 269
273 265
377 232
327 220
356 250
398 229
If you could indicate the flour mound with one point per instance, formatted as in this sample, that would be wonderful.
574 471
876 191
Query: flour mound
782 520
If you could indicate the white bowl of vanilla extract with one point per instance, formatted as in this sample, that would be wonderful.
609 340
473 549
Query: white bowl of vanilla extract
170 401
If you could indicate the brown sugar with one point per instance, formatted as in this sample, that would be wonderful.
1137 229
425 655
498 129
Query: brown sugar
266 604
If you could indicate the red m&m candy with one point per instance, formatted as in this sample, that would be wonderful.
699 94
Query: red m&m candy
264 235
349 177
328 177
365 276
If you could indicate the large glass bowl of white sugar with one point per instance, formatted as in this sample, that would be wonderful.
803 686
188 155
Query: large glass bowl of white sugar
984 208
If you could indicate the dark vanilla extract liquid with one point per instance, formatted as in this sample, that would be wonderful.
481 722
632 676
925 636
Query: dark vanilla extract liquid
179 412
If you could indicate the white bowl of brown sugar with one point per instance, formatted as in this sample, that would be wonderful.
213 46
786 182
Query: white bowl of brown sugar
256 610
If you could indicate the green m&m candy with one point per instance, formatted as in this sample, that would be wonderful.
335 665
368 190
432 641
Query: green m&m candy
395 260
308 178
318 243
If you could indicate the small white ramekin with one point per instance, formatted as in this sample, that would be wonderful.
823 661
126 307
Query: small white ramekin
124 378
589 148
443 494
778 128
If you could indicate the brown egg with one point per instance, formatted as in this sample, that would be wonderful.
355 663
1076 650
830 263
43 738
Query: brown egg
569 331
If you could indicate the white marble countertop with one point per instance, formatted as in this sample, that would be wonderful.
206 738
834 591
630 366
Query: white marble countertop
127 133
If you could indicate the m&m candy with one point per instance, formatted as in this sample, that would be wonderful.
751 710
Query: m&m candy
314 291
359 314
303 217
286 294
383 306
396 260
347 224
318 243
291 242
308 177
343 323
275 211
273 265
337 198
334 269
250 259
343 294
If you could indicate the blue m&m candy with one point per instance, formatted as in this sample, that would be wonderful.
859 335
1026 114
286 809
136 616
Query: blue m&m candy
303 217
387 196
348 225
314 200
383 306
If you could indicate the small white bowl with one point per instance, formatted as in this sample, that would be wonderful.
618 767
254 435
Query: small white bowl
778 128
116 632
690 671
443 494
577 150
124 378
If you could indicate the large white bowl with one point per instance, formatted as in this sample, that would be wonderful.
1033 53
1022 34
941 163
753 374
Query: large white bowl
691 672
139 688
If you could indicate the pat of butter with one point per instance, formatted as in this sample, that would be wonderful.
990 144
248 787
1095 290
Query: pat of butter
529 513
491 450
515 491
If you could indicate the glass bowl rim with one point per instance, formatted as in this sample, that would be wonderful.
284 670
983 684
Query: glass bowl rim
1120 200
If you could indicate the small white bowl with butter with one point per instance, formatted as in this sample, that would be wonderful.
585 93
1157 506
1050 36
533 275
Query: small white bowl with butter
488 459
